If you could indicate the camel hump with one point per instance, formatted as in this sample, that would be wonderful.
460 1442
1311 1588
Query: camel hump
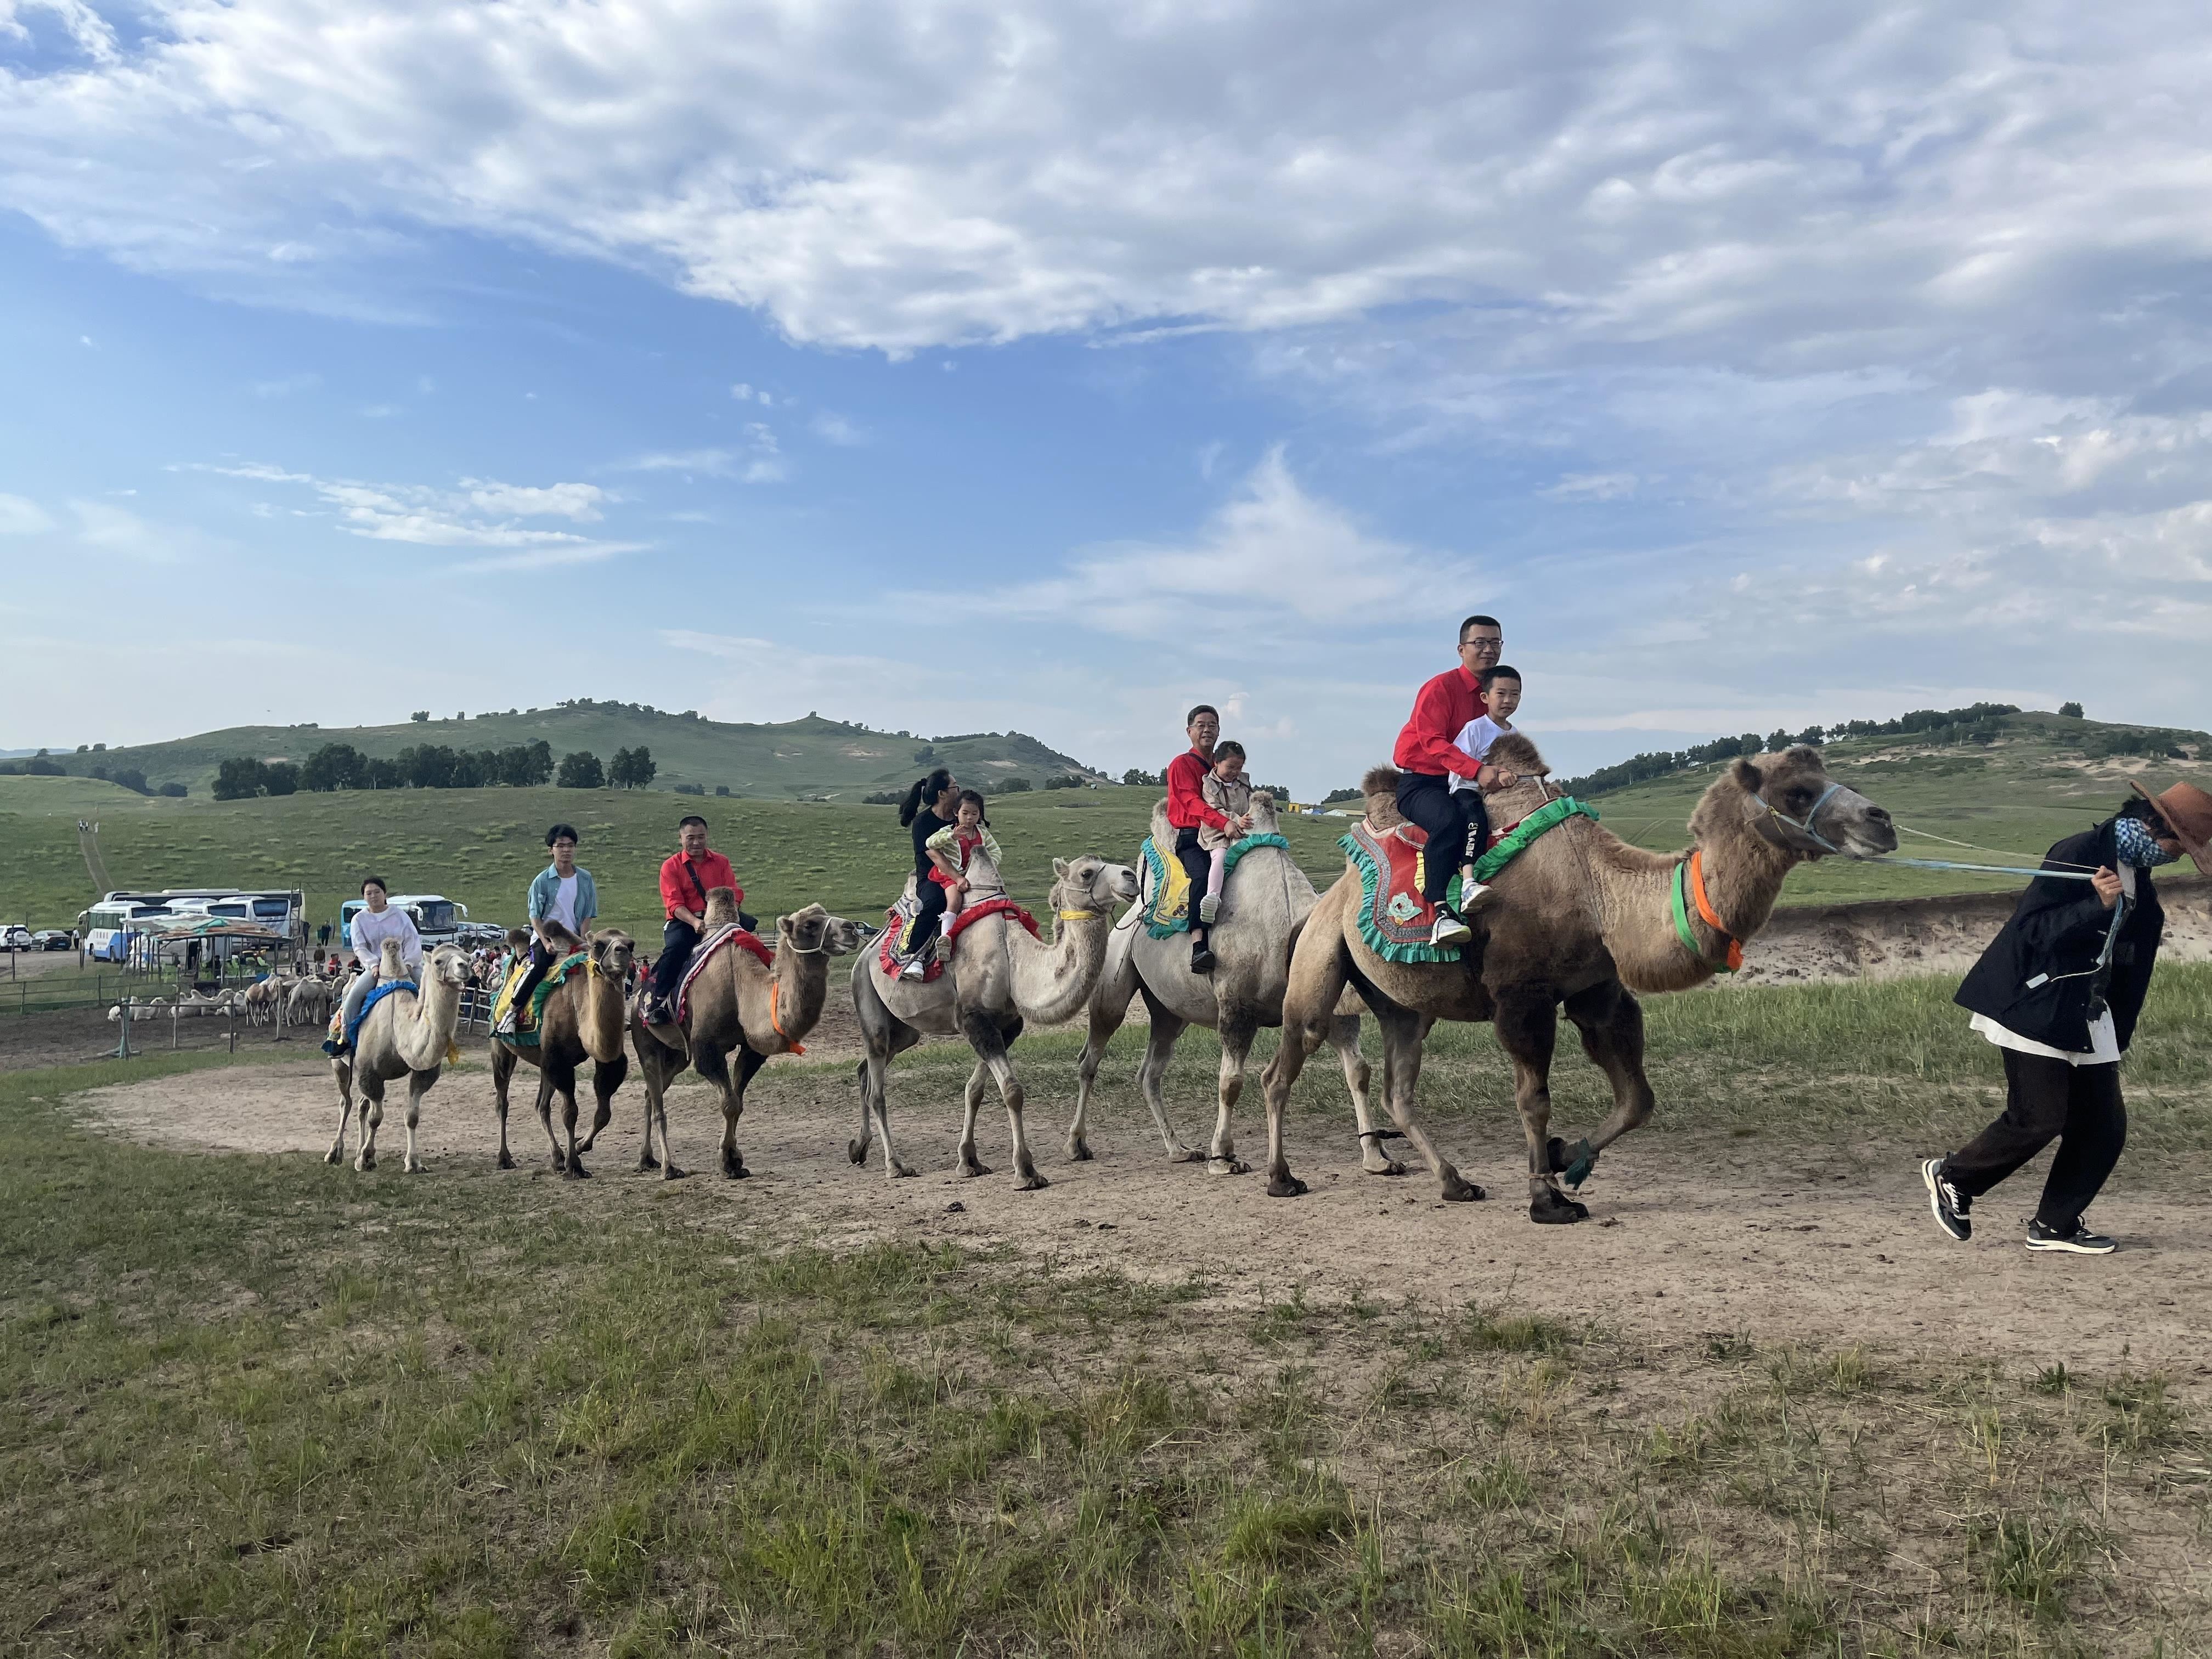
1163 835
1379 784
1516 752
722 908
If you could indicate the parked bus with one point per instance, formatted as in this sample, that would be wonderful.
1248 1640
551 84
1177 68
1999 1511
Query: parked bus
285 911
438 919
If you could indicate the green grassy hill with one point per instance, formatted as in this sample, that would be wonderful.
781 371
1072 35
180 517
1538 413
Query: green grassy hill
2030 785
786 761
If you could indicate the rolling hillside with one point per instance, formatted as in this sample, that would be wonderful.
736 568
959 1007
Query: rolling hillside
2029 786
792 760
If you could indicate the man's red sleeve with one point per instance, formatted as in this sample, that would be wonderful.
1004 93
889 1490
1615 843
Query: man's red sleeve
1426 743
671 894
1187 806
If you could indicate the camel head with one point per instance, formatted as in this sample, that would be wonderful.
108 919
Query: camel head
1378 788
814 929
722 908
390 965
518 939
447 965
1264 821
1092 884
564 942
1790 801
613 951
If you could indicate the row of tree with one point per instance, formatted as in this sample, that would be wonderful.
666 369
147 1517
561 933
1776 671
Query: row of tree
1978 722
432 766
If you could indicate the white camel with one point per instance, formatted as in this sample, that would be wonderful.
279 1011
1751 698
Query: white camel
405 1035
996 979
1265 902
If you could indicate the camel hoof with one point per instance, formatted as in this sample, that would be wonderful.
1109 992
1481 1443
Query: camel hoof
857 1151
1388 1166
1227 1166
672 1173
506 1158
733 1168
972 1169
899 1172
335 1157
1458 1190
575 1172
1078 1152
646 1161
1031 1182
1556 1209
1286 1186
1186 1155
1572 1164
365 1163
415 1167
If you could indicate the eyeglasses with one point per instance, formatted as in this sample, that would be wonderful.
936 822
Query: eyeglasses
1483 639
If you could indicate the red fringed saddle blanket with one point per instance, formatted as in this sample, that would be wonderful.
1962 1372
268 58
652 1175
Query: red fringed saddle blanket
744 937
895 952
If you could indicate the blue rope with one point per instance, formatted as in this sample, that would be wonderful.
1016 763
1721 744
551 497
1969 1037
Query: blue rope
1985 869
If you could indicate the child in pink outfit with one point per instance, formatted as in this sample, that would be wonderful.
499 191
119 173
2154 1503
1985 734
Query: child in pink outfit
1228 794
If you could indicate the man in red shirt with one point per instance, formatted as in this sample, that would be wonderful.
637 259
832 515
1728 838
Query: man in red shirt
1428 754
686 877
1187 811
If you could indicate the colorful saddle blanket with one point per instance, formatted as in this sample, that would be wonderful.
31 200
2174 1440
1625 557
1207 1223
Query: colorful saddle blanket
376 994
527 1020
896 949
1394 919
742 937
1166 910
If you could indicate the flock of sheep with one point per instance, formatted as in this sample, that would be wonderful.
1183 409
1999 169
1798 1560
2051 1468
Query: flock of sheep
282 999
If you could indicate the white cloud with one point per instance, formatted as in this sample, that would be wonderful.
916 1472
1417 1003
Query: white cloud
760 461
867 175
1591 486
23 517
581 501
749 394
112 530
287 385
480 513
836 429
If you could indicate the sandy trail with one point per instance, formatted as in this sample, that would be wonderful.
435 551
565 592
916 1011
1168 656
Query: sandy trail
1686 1237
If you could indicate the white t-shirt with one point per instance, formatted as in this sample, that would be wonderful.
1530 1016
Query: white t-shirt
2104 1037
1475 738
564 908
371 929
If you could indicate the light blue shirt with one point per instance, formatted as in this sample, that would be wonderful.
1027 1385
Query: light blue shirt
547 888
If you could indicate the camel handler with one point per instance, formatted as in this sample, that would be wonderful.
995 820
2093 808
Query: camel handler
563 894
1187 813
2058 992
1428 756
687 876
378 921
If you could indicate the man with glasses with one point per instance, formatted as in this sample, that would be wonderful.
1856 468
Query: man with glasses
1428 756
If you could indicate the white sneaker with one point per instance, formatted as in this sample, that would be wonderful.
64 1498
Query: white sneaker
1449 929
1209 908
915 971
1472 894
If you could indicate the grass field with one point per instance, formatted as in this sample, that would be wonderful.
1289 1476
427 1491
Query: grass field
261 1406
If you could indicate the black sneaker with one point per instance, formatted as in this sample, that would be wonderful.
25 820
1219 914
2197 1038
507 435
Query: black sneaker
1202 959
2078 1240
1948 1203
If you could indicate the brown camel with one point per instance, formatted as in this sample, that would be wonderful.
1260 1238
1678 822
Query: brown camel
583 1020
738 1007
1579 921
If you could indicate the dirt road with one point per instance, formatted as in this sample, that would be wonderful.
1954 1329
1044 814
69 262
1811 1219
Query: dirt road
1689 1235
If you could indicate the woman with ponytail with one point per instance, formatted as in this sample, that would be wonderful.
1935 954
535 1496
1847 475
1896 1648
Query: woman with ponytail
929 806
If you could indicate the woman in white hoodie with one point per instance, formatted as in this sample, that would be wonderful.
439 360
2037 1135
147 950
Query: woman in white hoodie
378 921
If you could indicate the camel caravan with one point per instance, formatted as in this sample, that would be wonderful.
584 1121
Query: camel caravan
1437 915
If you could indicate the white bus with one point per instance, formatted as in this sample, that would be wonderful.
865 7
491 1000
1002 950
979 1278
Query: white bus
437 918
285 911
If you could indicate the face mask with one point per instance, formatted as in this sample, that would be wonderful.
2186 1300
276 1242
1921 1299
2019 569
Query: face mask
2137 846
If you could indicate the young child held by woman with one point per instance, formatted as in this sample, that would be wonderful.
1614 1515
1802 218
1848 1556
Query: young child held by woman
953 849
1228 793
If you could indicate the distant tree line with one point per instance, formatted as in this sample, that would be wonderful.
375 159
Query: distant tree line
43 765
1976 723
337 766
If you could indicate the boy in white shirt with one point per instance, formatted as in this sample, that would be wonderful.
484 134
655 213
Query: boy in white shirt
1501 695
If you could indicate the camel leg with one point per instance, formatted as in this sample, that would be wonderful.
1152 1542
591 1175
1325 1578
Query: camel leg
343 1073
1106 1016
371 1116
1528 1026
1308 1014
715 1068
1611 1022
1237 1031
1160 1039
503 1063
971 1102
1345 1038
607 1076
989 1041
1403 1036
573 1163
418 1084
875 1098
659 1064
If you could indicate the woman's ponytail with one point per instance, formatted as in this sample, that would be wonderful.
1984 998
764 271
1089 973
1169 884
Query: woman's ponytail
933 785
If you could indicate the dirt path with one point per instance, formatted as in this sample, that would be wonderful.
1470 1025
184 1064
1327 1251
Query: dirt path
1685 1238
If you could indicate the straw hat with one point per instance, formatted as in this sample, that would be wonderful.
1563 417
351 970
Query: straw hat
2187 811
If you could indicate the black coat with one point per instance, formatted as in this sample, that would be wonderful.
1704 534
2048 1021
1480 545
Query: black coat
2057 929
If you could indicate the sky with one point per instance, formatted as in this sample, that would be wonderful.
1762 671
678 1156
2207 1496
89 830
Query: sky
952 366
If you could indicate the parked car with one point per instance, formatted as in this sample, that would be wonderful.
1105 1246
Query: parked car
52 939
14 939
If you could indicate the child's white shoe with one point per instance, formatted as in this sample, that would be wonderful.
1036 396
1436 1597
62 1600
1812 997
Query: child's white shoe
1473 895
1449 929
1209 908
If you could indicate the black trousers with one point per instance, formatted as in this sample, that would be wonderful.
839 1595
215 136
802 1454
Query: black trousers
2046 1099
677 940
1197 864
933 898
540 960
1457 822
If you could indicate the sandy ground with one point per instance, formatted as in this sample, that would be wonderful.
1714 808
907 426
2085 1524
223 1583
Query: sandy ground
1686 1236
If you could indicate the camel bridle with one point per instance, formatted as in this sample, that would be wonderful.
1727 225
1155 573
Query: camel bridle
1792 834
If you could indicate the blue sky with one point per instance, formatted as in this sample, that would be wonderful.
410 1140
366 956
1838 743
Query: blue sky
958 367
